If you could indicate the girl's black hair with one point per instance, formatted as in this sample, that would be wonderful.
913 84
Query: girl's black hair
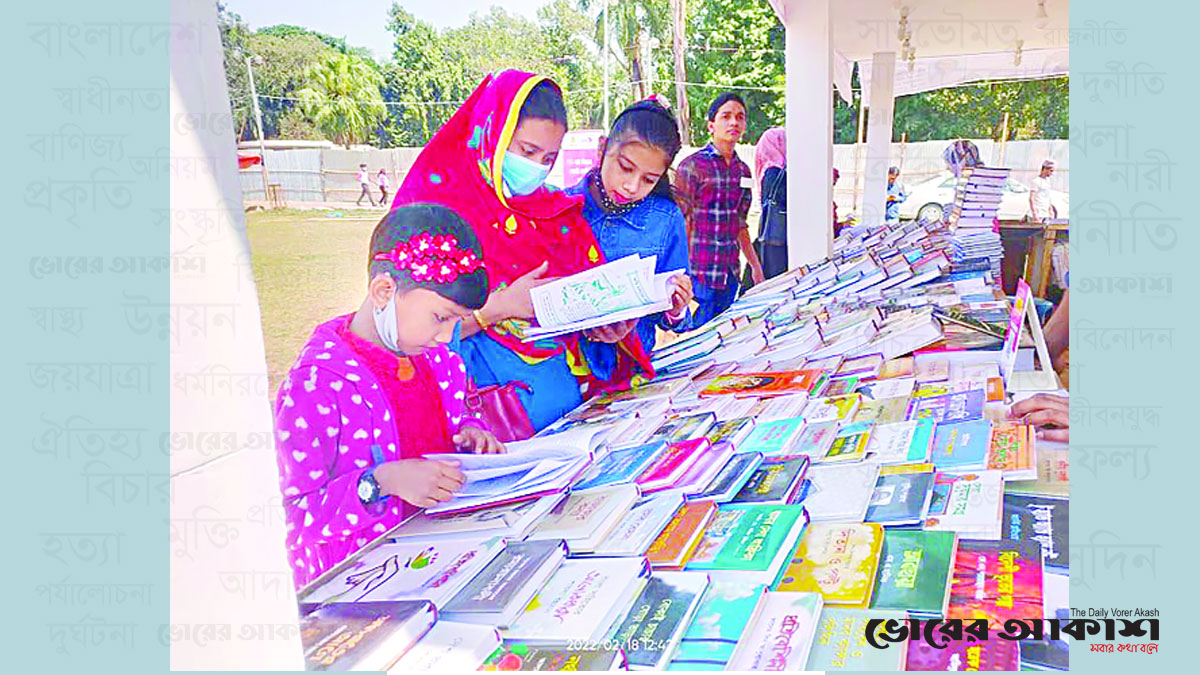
402 224
653 124
545 102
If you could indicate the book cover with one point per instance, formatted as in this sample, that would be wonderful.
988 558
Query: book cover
882 411
733 477
904 366
899 387
841 642
763 384
997 581
837 560
864 367
901 442
552 657
914 571
1012 450
1045 520
448 647
900 499
780 634
850 445
962 446
409 571
506 579
504 520
678 540
1053 476
683 429
671 465
735 431
582 600
948 408
839 387
704 470
363 636
634 534
928 370
776 408
712 635
840 492
749 538
656 622
994 654
814 440
584 518
773 438
621 466
968 503
832 409
774 482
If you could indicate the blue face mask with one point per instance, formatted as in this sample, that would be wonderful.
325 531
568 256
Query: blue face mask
522 176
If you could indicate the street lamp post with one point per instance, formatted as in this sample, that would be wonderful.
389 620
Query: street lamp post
262 146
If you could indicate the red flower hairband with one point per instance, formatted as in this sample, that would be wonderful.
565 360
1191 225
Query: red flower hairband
434 258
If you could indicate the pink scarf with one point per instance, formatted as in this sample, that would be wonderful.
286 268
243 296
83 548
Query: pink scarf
771 152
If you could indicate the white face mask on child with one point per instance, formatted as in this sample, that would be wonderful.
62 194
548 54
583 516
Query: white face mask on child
385 324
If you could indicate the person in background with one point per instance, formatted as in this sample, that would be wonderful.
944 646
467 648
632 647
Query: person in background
374 391
1040 207
895 195
770 172
715 205
364 182
628 203
382 179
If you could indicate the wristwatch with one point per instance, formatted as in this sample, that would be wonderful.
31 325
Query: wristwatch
368 488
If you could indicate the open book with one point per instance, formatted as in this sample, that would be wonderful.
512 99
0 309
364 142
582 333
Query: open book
617 291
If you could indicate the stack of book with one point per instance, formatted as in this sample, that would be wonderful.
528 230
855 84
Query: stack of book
973 218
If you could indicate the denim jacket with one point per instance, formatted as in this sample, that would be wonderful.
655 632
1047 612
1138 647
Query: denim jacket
653 227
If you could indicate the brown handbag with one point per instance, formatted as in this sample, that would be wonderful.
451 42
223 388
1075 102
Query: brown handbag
500 408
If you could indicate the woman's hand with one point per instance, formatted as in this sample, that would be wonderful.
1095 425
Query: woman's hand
1050 414
478 441
513 301
613 332
681 296
420 482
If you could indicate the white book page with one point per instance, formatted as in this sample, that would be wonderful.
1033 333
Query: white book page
609 288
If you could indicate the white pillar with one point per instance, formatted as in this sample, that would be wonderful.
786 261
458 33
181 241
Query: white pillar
809 68
879 137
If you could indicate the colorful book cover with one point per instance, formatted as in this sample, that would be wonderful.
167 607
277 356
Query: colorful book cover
948 408
882 411
713 634
658 618
841 642
1012 450
901 442
914 571
773 438
814 441
683 428
839 387
518 655
837 560
774 482
363 635
932 371
762 384
997 581
994 654
900 499
581 600
962 446
840 492
733 477
901 387
1045 520
705 469
671 464
584 517
746 537
506 577
634 534
905 366
678 540
832 409
781 633
968 503
621 466
850 445
735 431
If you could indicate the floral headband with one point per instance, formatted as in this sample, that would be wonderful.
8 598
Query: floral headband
432 258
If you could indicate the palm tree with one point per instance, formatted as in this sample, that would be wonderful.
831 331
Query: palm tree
341 96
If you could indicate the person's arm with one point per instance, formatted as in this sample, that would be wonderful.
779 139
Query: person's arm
1049 414
1033 214
685 193
510 302
675 257
1057 330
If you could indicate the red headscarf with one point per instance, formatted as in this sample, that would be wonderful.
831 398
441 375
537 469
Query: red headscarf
460 168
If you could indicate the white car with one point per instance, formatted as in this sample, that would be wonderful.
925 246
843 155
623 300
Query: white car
928 198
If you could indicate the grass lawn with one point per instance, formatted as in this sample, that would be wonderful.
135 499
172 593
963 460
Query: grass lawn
308 268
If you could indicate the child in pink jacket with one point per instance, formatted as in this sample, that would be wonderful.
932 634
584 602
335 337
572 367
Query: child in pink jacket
374 391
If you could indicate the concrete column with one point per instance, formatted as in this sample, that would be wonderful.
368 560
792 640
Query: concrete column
879 137
809 67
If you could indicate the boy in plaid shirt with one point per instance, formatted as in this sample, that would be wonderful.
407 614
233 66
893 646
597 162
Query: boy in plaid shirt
708 185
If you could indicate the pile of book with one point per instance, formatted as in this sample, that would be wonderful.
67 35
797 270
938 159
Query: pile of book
973 218
810 460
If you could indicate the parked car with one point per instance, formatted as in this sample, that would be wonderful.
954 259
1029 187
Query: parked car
928 198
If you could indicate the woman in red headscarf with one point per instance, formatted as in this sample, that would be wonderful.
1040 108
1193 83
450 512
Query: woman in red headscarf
488 163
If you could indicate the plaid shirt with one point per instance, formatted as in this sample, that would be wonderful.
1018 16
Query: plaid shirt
716 205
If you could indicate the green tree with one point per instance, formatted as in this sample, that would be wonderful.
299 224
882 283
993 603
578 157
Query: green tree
633 23
341 96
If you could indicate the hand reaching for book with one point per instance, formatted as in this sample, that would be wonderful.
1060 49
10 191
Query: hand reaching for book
681 296
513 301
1049 414
613 332
420 482
478 441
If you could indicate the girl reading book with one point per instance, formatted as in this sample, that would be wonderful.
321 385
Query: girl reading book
374 391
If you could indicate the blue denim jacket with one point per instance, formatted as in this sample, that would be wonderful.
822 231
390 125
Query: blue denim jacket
653 227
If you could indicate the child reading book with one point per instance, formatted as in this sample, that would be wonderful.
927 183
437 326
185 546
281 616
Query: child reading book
629 206
374 391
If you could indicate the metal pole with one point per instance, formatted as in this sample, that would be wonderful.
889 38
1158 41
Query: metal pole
605 48
262 146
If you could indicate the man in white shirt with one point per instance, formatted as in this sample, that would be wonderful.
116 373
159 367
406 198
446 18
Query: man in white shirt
1040 208
364 182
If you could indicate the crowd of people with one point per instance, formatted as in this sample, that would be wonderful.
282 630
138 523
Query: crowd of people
470 231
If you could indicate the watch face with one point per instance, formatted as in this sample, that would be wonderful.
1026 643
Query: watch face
366 489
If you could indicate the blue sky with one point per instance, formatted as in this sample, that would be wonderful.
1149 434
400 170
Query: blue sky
364 22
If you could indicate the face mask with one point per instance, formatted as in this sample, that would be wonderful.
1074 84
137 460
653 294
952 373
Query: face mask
385 324
522 176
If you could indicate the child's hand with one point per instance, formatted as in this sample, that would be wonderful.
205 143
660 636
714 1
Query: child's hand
420 482
681 296
478 441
